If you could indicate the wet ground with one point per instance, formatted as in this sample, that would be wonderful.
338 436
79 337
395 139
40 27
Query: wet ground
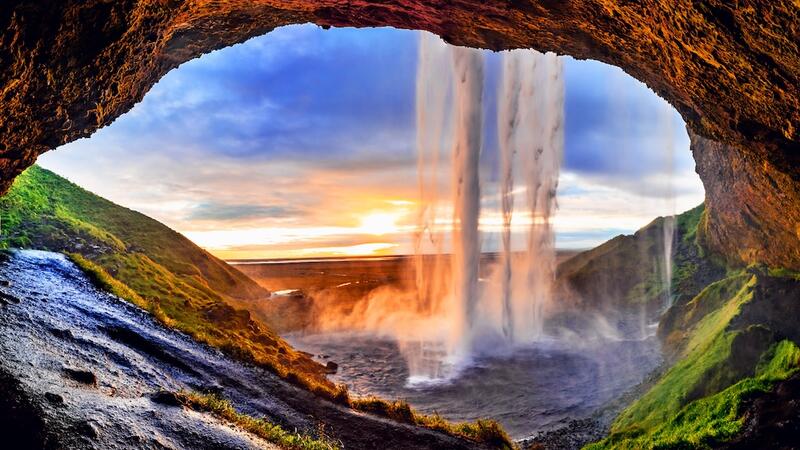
531 390
79 368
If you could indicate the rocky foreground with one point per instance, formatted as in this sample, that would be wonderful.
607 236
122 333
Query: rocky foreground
80 368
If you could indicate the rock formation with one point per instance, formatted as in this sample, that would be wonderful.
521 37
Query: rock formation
732 70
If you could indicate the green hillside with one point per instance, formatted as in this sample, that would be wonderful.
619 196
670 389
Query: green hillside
149 264
730 334
183 286
627 273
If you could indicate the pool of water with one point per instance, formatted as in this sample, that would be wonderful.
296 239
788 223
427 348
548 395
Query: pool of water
529 389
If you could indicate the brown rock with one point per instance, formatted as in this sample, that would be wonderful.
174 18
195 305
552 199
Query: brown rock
731 69
331 368
81 376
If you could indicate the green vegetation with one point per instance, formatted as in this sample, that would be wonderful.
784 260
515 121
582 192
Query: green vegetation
152 266
688 223
714 419
483 431
696 403
719 355
708 347
273 433
144 262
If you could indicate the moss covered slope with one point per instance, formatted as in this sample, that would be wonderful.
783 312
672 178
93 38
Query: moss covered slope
628 273
729 336
149 264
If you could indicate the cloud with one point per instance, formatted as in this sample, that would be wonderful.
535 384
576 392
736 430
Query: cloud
305 128
223 212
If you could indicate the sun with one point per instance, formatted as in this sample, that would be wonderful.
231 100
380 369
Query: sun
380 223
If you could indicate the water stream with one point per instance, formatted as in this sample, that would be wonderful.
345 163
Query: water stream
511 305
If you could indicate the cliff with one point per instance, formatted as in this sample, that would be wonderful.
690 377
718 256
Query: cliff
732 70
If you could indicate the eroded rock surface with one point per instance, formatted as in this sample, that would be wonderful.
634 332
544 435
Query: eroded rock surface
731 69
48 399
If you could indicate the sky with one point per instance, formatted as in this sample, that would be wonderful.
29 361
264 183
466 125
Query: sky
301 143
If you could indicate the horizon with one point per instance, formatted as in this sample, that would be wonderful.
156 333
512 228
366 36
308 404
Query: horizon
301 144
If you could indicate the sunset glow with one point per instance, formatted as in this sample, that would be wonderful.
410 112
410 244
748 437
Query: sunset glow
381 223
304 154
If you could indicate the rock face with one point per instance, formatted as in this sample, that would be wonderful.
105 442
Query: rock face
753 204
73 66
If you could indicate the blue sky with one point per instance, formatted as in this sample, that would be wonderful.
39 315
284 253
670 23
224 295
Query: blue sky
299 141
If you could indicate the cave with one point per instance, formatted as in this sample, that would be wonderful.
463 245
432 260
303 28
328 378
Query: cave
731 71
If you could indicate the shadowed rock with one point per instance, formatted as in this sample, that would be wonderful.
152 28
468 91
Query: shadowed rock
731 70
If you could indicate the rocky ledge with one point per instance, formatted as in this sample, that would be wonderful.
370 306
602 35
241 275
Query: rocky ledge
80 368
731 69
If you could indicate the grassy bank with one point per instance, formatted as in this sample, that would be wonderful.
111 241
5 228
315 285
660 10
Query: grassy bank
483 431
152 266
270 432
726 351
184 287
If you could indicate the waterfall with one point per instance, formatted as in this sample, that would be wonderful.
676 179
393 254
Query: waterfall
507 122
450 84
669 221
531 126
468 67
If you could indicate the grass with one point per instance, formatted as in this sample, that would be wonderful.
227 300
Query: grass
270 432
708 347
144 262
153 267
709 421
696 403
483 431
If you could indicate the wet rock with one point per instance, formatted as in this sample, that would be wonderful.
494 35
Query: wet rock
331 368
145 344
8 298
81 376
88 429
5 283
21 425
167 398
55 399
61 333
573 435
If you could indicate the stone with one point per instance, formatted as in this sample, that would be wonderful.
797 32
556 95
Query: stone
732 71
81 376
331 368
88 429
55 399
167 398
8 298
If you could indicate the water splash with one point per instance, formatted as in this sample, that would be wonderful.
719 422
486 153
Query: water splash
668 228
468 68
530 124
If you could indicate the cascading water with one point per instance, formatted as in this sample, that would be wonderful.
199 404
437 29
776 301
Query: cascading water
466 252
669 221
530 128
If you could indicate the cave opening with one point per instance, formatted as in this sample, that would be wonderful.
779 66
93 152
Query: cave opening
290 158
297 150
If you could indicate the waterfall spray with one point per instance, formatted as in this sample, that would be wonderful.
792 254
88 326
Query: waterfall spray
468 67
669 221
507 121
530 125
433 99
